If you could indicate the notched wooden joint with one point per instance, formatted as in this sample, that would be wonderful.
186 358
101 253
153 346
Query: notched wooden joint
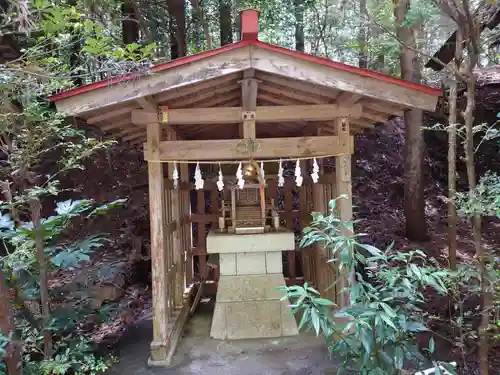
248 115
163 113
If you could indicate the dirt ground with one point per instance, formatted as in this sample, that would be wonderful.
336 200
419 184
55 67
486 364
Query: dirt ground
199 354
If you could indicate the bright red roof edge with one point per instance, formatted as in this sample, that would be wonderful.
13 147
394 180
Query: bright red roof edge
229 47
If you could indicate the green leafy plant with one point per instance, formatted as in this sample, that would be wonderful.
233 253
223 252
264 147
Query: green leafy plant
71 352
375 332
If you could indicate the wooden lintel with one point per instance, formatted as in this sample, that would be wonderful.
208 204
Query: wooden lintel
233 115
237 149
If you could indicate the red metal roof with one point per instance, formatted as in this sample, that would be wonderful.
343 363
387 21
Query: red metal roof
251 42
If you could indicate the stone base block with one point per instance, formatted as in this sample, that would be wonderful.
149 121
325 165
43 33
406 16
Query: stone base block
252 263
249 307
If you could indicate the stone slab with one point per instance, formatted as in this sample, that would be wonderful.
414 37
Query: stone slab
274 262
218 329
249 320
250 263
288 322
227 264
250 288
218 242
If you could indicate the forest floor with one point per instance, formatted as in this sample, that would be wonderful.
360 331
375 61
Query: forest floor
378 191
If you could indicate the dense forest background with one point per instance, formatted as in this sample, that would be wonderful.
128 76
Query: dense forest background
76 262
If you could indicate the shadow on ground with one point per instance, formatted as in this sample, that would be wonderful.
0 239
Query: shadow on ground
199 354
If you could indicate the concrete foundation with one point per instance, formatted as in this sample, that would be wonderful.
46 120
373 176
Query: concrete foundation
248 301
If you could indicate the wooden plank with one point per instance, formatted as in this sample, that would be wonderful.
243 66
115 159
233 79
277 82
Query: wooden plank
232 115
188 259
327 94
340 79
201 96
202 239
111 114
347 98
249 88
234 149
190 92
344 187
290 223
175 207
214 200
217 65
158 246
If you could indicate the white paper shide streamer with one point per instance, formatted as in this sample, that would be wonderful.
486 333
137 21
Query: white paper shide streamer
281 179
175 176
315 174
220 182
262 173
198 179
239 176
298 174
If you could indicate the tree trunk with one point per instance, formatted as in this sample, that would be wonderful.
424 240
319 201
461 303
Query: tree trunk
178 46
414 200
225 22
36 209
362 36
452 156
299 24
12 356
199 18
476 219
130 23
452 174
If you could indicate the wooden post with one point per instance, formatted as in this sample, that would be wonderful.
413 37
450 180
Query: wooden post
176 235
158 245
321 206
186 216
343 187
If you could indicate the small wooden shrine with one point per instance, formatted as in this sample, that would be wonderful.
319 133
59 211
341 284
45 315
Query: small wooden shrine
245 103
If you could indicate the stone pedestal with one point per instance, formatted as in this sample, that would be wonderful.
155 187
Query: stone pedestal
248 298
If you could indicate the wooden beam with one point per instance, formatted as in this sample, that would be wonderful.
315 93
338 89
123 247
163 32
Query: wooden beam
193 90
120 123
326 76
347 98
231 115
110 114
194 100
237 149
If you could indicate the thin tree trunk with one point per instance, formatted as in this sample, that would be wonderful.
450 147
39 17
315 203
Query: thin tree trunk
225 22
414 200
12 351
299 25
36 209
452 174
130 23
476 219
362 36
200 16
178 46
452 156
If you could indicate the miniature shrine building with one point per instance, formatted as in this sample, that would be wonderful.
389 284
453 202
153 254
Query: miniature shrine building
240 109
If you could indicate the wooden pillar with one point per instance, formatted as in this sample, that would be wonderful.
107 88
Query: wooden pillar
344 187
321 206
176 249
158 244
